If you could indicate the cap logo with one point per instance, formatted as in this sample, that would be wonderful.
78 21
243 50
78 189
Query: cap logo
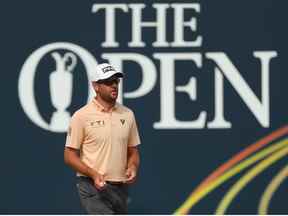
107 69
122 121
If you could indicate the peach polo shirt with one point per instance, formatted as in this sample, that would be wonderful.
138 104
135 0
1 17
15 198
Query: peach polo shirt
103 138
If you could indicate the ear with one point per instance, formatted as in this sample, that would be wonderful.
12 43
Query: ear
95 86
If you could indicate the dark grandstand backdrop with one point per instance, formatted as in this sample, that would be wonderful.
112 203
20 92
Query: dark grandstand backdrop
233 52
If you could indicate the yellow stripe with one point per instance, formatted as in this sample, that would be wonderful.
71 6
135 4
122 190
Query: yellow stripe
270 190
196 197
242 182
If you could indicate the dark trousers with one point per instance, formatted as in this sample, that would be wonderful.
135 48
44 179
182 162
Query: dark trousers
111 200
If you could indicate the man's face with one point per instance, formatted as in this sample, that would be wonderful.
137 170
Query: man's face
108 89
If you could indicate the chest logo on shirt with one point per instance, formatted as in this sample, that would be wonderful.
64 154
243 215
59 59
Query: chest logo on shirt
122 121
97 123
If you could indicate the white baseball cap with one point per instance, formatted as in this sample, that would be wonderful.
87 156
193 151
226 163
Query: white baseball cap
104 71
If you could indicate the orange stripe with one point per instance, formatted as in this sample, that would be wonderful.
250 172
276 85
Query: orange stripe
241 155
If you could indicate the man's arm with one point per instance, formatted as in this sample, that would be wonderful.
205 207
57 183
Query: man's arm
133 161
71 158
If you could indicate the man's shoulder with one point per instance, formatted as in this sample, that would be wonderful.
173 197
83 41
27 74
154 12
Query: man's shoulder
81 112
125 109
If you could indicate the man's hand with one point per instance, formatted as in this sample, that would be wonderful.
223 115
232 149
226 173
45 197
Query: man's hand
131 173
99 181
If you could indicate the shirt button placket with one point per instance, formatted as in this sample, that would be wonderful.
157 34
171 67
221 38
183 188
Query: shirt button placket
110 126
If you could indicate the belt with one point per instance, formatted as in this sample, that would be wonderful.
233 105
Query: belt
115 182
108 182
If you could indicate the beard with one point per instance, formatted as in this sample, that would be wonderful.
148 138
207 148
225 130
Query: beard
109 97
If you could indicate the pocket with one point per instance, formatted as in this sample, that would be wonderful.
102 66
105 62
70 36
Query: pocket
86 189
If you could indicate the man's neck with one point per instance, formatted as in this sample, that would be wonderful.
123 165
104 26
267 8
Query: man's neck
108 106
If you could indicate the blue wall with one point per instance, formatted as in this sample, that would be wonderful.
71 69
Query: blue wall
175 160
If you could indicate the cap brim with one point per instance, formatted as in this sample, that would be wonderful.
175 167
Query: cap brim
120 75
117 74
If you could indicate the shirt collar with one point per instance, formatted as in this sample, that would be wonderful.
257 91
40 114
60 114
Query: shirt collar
101 108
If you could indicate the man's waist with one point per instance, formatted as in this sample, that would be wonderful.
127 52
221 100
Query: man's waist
112 182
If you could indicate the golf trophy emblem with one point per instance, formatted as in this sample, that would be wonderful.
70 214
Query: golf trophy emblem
60 84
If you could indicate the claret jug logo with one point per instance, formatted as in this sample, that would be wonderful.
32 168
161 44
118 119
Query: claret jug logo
185 36
60 83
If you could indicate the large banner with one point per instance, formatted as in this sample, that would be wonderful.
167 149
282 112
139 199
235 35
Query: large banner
207 81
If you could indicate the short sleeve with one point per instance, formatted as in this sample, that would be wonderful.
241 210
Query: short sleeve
134 138
75 133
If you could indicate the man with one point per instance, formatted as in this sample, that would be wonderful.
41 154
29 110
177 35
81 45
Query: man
101 147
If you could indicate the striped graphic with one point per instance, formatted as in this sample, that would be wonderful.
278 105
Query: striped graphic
269 149
271 189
